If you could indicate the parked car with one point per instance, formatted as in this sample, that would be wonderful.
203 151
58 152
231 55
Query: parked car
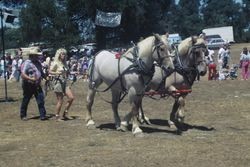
209 37
215 43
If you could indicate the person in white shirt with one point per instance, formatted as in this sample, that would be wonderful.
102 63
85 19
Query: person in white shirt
245 60
19 63
211 65
1 68
220 57
13 68
224 55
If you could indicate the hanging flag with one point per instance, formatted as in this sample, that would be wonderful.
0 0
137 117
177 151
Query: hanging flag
8 15
108 19
8 18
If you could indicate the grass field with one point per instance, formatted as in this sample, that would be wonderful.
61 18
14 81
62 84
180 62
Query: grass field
218 134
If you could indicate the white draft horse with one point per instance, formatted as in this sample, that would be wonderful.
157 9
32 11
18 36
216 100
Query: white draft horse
190 64
127 75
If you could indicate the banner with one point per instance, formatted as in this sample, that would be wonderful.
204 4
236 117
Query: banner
8 18
108 19
9 15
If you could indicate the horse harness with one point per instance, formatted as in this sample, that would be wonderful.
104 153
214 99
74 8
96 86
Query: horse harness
137 65
188 73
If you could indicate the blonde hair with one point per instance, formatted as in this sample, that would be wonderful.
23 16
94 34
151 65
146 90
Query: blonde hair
57 56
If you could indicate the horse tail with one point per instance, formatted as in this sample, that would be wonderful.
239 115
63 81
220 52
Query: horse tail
91 67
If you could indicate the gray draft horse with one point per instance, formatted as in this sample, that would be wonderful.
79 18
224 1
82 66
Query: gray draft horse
190 64
127 75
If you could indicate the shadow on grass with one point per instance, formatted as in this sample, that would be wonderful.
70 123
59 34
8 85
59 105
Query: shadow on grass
8 100
145 129
183 127
159 122
51 116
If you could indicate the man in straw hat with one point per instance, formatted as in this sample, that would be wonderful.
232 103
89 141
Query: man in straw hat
32 73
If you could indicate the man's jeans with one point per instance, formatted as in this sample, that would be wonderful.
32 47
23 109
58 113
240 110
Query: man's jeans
29 90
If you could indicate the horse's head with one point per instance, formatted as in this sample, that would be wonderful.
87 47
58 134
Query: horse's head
192 51
161 51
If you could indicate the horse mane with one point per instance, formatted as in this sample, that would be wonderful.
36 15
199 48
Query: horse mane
184 46
146 45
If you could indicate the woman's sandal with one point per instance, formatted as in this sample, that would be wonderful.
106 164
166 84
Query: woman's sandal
58 118
66 115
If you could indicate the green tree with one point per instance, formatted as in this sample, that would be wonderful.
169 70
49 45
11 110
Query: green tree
222 13
13 38
171 18
245 33
190 18
48 20
140 18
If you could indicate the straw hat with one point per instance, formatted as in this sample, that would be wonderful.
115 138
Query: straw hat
35 52
27 52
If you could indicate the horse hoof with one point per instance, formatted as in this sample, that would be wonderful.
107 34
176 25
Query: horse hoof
124 126
173 127
90 124
137 132
122 129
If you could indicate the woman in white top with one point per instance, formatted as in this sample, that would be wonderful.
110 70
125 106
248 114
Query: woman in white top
13 68
211 65
244 60
60 71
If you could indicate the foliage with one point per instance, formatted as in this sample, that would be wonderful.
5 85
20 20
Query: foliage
12 38
60 22
191 22
46 21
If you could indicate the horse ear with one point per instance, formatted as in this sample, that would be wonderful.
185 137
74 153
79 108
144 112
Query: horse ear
167 34
194 39
202 35
157 36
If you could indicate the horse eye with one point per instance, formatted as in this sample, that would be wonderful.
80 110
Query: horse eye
162 49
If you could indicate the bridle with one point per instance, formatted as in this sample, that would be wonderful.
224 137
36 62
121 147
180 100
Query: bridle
186 71
159 58
192 52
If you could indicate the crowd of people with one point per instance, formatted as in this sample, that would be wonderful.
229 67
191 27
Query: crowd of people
38 66
221 70
12 64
